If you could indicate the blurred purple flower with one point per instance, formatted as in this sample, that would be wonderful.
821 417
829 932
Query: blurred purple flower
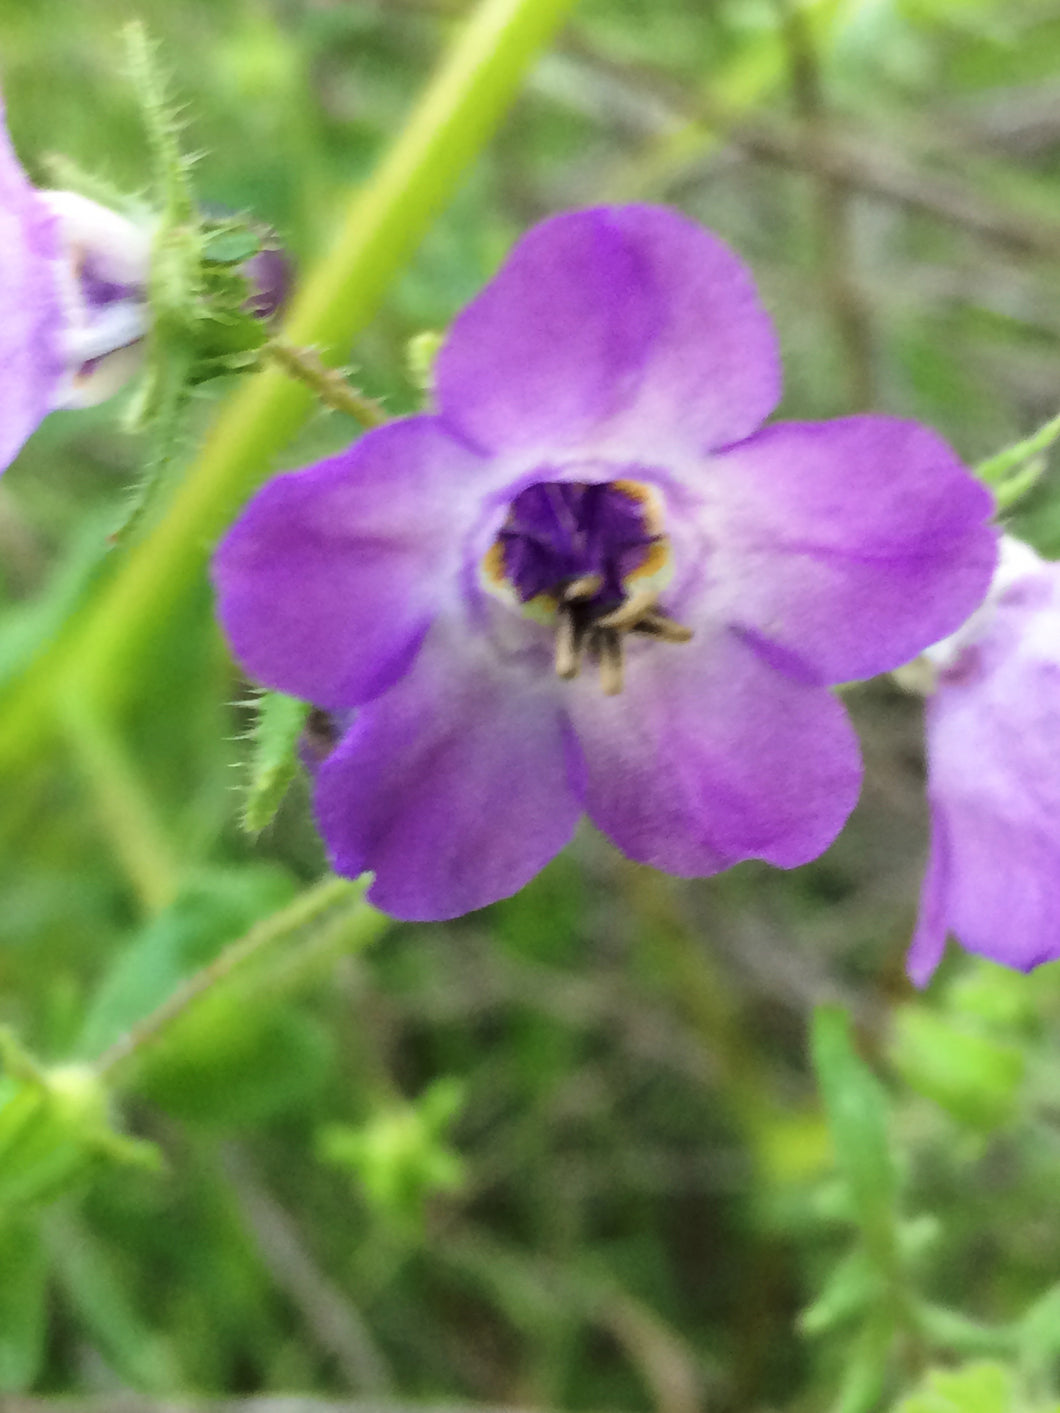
269 275
72 301
589 583
993 729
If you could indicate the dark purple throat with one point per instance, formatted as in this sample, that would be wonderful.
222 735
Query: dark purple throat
587 553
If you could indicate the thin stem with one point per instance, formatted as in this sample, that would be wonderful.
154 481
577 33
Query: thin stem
832 207
327 383
871 168
330 1317
305 909
735 88
124 806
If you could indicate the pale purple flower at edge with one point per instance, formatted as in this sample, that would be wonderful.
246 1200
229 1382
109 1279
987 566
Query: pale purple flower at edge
504 588
993 744
72 301
31 359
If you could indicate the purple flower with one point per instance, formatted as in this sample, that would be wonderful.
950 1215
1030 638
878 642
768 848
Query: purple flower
588 583
72 302
993 727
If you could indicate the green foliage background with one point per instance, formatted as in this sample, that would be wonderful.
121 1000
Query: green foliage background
571 1151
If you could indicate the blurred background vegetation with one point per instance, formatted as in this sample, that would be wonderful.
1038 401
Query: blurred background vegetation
569 1152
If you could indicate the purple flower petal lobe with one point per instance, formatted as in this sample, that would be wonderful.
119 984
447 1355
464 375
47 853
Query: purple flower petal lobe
853 544
630 320
31 318
708 757
453 788
993 726
331 577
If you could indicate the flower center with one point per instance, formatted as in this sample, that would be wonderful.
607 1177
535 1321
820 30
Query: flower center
590 558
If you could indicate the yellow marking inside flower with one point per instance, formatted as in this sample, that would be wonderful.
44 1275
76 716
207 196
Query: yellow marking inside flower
652 572
656 560
647 499
542 607
493 565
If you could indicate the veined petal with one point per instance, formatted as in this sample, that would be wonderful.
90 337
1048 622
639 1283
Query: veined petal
31 317
852 544
452 787
627 323
331 576
709 757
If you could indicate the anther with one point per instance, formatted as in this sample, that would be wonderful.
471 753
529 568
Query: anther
585 587
657 625
609 648
567 652
630 612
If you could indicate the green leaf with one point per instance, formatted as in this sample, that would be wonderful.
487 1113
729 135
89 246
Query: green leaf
421 354
95 1285
982 1387
975 1077
867 1367
55 1128
400 1156
1038 1334
230 243
1023 480
214 908
23 1315
34 623
231 1066
852 1287
858 1115
1013 459
274 760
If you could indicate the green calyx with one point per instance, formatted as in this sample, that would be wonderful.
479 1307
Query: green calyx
202 323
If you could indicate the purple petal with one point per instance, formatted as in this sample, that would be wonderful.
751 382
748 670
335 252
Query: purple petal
1003 889
929 940
332 575
630 322
709 757
994 783
453 787
31 318
852 544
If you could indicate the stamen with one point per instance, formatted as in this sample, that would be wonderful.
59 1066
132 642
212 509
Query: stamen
584 555
585 587
568 646
629 613
658 625
609 647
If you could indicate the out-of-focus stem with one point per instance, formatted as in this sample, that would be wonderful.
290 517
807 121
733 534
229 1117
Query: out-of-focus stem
833 211
384 222
124 807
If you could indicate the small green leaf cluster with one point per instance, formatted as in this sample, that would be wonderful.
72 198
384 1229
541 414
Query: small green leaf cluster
979 1387
400 1156
55 1128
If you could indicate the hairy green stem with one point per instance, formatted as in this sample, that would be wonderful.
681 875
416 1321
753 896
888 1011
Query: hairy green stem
101 654
328 384
307 908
